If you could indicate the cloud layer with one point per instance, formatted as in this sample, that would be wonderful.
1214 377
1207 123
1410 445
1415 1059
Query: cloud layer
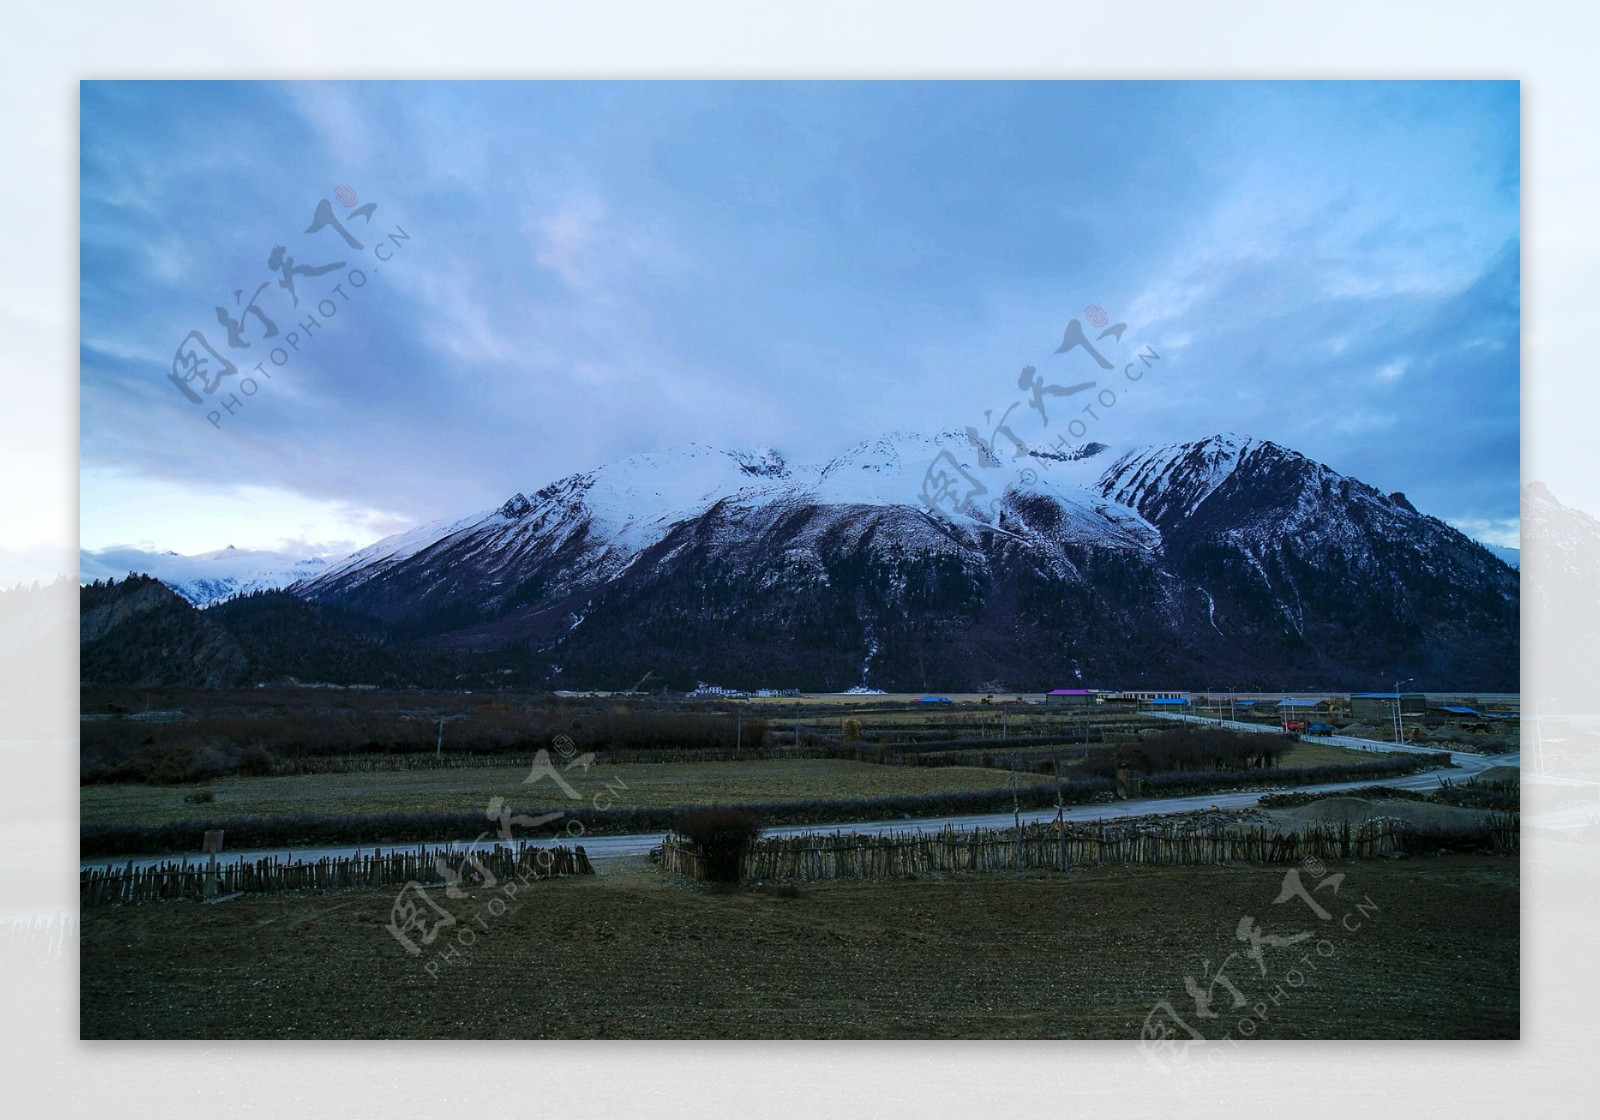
576 272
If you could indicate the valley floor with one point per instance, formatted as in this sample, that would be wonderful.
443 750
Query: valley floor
750 781
467 791
634 953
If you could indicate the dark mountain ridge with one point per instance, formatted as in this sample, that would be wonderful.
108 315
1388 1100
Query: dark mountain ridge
1224 562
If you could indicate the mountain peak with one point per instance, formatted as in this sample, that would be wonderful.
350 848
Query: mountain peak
762 463
516 506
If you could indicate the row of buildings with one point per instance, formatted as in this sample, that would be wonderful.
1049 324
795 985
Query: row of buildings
1359 707
705 691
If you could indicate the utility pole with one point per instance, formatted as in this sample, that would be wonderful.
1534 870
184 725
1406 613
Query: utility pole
438 745
1061 819
1399 723
738 730
1016 813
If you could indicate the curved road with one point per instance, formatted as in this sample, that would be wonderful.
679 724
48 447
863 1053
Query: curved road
602 848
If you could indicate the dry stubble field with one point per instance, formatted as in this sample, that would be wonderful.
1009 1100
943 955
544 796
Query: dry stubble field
467 790
634 954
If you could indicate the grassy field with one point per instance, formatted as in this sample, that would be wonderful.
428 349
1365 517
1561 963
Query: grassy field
1323 754
662 784
633 954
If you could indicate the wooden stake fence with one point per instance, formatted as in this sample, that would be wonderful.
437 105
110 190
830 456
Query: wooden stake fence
818 856
184 879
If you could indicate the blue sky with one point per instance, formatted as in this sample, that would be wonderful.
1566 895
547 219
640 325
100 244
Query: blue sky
598 269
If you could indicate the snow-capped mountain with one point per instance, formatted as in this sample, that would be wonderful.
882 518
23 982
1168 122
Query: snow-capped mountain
207 577
915 561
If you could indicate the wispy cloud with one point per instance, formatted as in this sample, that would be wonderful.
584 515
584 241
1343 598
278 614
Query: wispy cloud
1503 531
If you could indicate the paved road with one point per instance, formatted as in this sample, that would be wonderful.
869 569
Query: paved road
603 848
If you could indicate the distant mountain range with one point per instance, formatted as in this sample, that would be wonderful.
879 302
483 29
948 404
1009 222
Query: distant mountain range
1222 562
206 578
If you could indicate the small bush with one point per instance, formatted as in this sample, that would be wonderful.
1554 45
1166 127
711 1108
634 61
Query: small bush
723 835
155 766
205 763
1496 833
1471 795
203 797
256 761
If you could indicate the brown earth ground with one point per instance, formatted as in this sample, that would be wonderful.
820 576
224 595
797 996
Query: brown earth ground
633 953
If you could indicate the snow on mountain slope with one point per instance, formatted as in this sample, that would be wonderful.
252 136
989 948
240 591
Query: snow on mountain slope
1169 482
891 470
588 527
633 502
397 547
1256 495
